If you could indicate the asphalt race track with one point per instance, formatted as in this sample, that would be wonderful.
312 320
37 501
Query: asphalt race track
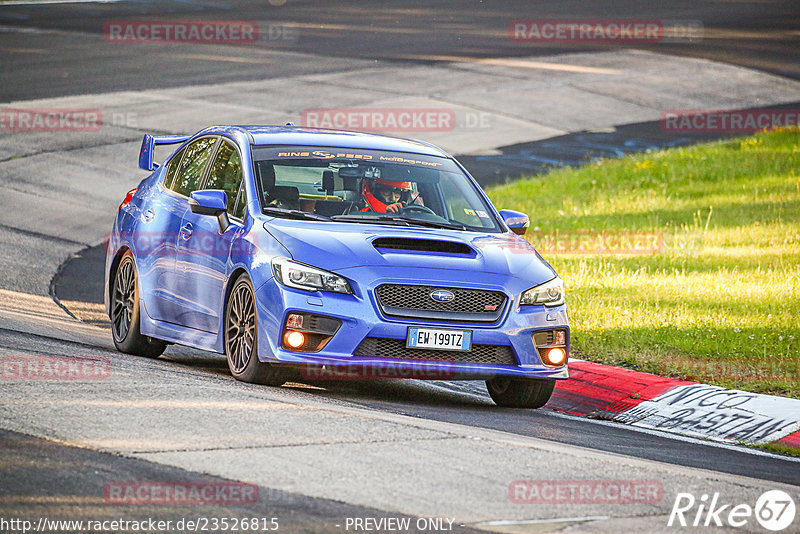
760 35
319 455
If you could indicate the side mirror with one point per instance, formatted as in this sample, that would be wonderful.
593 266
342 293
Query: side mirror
211 202
516 221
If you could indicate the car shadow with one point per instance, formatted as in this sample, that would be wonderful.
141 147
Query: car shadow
388 393
396 393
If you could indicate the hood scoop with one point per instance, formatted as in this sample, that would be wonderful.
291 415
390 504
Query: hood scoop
423 245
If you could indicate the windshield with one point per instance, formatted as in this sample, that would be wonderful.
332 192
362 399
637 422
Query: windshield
369 186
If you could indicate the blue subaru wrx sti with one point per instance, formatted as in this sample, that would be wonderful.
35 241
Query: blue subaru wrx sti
333 255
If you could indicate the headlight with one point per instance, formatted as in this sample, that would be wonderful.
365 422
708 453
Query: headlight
550 294
293 274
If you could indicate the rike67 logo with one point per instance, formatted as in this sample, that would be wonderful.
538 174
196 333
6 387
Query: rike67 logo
774 510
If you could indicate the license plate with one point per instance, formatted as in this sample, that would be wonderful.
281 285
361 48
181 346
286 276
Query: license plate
438 339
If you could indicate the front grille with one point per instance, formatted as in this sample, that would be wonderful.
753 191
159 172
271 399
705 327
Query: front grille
472 305
382 347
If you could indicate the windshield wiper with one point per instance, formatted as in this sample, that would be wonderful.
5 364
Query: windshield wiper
379 219
294 214
397 221
433 224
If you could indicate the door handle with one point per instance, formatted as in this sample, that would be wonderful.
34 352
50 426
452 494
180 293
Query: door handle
148 215
186 231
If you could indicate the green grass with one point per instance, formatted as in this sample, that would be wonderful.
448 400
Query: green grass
720 303
777 448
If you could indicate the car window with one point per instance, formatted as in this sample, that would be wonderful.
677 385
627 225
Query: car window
191 169
332 182
240 205
226 174
463 203
172 168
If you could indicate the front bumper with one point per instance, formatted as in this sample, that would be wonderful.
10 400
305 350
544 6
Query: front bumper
361 317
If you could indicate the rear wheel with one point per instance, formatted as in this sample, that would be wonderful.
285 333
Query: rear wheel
520 392
125 317
241 338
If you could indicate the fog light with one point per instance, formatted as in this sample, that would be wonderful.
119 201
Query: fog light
555 356
308 332
295 339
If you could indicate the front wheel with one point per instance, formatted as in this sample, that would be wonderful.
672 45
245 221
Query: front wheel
125 317
520 392
241 338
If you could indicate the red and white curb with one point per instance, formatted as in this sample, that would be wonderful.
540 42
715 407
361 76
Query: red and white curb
687 408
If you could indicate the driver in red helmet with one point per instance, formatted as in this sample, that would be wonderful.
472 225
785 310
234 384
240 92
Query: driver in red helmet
382 196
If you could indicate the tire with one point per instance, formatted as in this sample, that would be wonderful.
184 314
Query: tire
125 313
241 338
520 392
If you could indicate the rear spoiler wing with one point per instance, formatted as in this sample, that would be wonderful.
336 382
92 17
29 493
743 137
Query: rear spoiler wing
148 148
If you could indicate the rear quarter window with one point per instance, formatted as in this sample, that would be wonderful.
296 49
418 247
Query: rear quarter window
172 168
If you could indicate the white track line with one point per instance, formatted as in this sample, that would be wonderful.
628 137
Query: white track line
537 521
44 2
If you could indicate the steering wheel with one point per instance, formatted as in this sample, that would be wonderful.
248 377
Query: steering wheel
418 208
